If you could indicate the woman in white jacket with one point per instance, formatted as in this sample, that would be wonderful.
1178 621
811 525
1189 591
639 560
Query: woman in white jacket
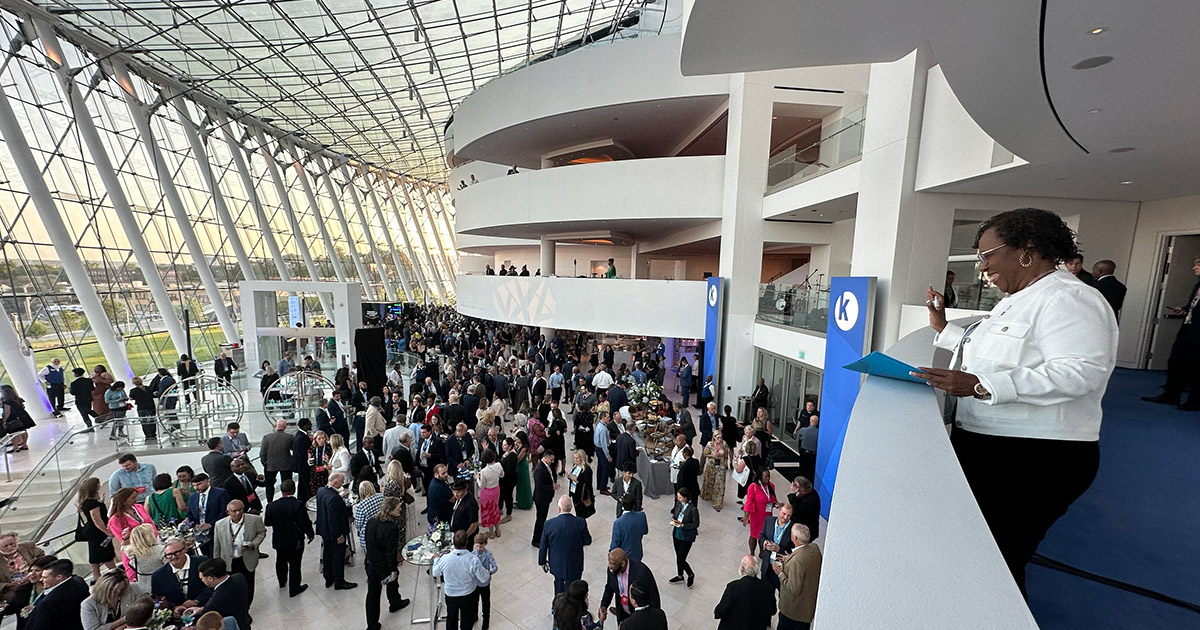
111 595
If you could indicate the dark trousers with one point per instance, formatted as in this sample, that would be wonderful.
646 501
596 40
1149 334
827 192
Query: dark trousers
485 604
561 583
682 548
360 427
85 409
686 389
602 466
791 624
461 611
149 423
1021 502
303 477
539 521
333 557
808 465
506 497
239 566
58 395
1183 367
374 590
269 480
768 574
287 567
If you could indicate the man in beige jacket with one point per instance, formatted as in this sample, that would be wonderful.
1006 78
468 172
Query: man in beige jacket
375 425
236 539
799 577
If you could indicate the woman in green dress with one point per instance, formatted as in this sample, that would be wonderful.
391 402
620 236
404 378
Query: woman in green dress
524 490
183 482
166 504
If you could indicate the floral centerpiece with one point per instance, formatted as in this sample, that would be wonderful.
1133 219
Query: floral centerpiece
646 395
177 529
163 619
437 540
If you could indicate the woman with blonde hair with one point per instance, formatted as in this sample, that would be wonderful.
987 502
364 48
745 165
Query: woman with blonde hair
143 555
93 523
366 508
339 462
112 594
395 482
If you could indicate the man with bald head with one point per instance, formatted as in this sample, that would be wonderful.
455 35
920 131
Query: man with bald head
1108 285
748 603
622 572
561 550
459 449
276 456
236 539
333 526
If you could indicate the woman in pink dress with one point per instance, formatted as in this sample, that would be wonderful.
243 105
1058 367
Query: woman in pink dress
537 433
127 513
489 492
760 499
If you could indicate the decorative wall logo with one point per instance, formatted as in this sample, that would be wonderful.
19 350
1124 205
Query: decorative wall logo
712 295
845 311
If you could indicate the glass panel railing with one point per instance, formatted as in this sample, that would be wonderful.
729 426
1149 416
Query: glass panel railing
840 144
797 306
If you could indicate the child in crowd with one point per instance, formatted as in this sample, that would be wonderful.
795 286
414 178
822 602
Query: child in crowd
485 590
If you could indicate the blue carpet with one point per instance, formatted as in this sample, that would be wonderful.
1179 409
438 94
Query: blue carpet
1139 522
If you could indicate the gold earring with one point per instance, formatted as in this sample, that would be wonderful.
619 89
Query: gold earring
1025 260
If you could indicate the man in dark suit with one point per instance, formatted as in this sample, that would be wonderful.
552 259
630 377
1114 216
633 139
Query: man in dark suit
300 444
218 465
244 487
58 607
382 549
760 398
455 412
544 487
1183 366
324 421
561 550
627 484
290 526
229 595
206 506
333 525
337 417
626 449
470 402
465 514
178 581
776 540
622 573
644 617
459 448
429 455
1108 285
748 603
538 387
439 497
223 367
617 397
363 458
685 379
686 425
806 506
1075 266
276 456
708 423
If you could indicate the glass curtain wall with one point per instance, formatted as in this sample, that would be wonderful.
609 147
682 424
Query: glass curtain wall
36 296
791 383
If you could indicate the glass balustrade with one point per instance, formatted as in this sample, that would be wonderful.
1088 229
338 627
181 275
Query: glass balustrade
794 305
840 144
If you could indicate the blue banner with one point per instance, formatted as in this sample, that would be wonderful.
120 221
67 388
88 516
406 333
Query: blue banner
847 337
712 331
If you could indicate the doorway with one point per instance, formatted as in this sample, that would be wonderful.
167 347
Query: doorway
1175 284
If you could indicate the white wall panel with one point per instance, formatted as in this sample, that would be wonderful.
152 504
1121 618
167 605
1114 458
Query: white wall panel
791 343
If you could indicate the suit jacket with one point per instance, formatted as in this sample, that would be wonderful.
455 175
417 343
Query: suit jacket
455 413
224 367
405 457
248 496
626 450
806 510
538 387
59 609
620 489
685 376
617 398
360 460
708 424
216 465
276 451
543 484
627 533
214 508
747 604
637 571
645 619
229 599
333 517
686 425
768 534
289 522
799 582
689 476
563 540
300 444
690 520
163 582
383 545
439 501
437 452
374 426
254 533
1113 291
322 422
458 451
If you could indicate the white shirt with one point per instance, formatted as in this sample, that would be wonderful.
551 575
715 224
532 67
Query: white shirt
238 533
676 462
602 380
340 462
1045 354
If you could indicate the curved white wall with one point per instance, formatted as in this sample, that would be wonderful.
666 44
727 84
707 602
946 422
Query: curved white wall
657 308
627 71
604 193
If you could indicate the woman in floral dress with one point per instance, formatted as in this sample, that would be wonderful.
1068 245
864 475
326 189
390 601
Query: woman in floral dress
537 433
716 460
318 462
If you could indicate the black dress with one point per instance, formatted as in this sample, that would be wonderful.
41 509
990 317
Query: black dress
100 547
584 496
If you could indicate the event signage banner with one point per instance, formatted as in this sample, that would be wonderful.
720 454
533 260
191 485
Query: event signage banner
847 339
713 299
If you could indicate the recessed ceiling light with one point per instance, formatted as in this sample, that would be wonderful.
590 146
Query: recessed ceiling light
1097 30
1092 62
1121 150
1127 182
774 118
1095 111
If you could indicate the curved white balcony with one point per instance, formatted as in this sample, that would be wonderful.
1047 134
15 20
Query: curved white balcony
677 192
587 303
520 116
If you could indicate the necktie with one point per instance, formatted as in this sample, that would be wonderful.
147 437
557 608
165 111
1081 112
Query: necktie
203 505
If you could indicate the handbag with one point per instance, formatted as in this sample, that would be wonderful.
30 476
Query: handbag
741 477
81 528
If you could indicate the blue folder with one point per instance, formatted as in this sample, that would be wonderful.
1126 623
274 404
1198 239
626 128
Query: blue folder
880 364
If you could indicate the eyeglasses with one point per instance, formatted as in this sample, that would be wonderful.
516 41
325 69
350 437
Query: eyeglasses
173 554
983 256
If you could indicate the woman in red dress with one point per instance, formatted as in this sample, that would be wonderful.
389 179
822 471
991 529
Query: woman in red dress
760 499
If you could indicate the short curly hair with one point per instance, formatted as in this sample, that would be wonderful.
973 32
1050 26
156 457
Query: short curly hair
1035 229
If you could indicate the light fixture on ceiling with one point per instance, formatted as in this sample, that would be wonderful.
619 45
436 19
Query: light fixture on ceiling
1121 150
1092 62
1127 182
774 118
1095 111
1098 29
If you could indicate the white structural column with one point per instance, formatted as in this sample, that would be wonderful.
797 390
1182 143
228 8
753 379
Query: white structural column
387 233
141 119
112 185
340 212
388 288
901 243
548 249
19 366
446 220
260 213
111 344
306 185
297 234
750 102
200 152
428 191
385 182
443 285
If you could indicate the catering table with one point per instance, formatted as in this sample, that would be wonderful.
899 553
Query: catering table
655 475
420 552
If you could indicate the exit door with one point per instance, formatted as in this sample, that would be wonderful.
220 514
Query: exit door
1175 287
